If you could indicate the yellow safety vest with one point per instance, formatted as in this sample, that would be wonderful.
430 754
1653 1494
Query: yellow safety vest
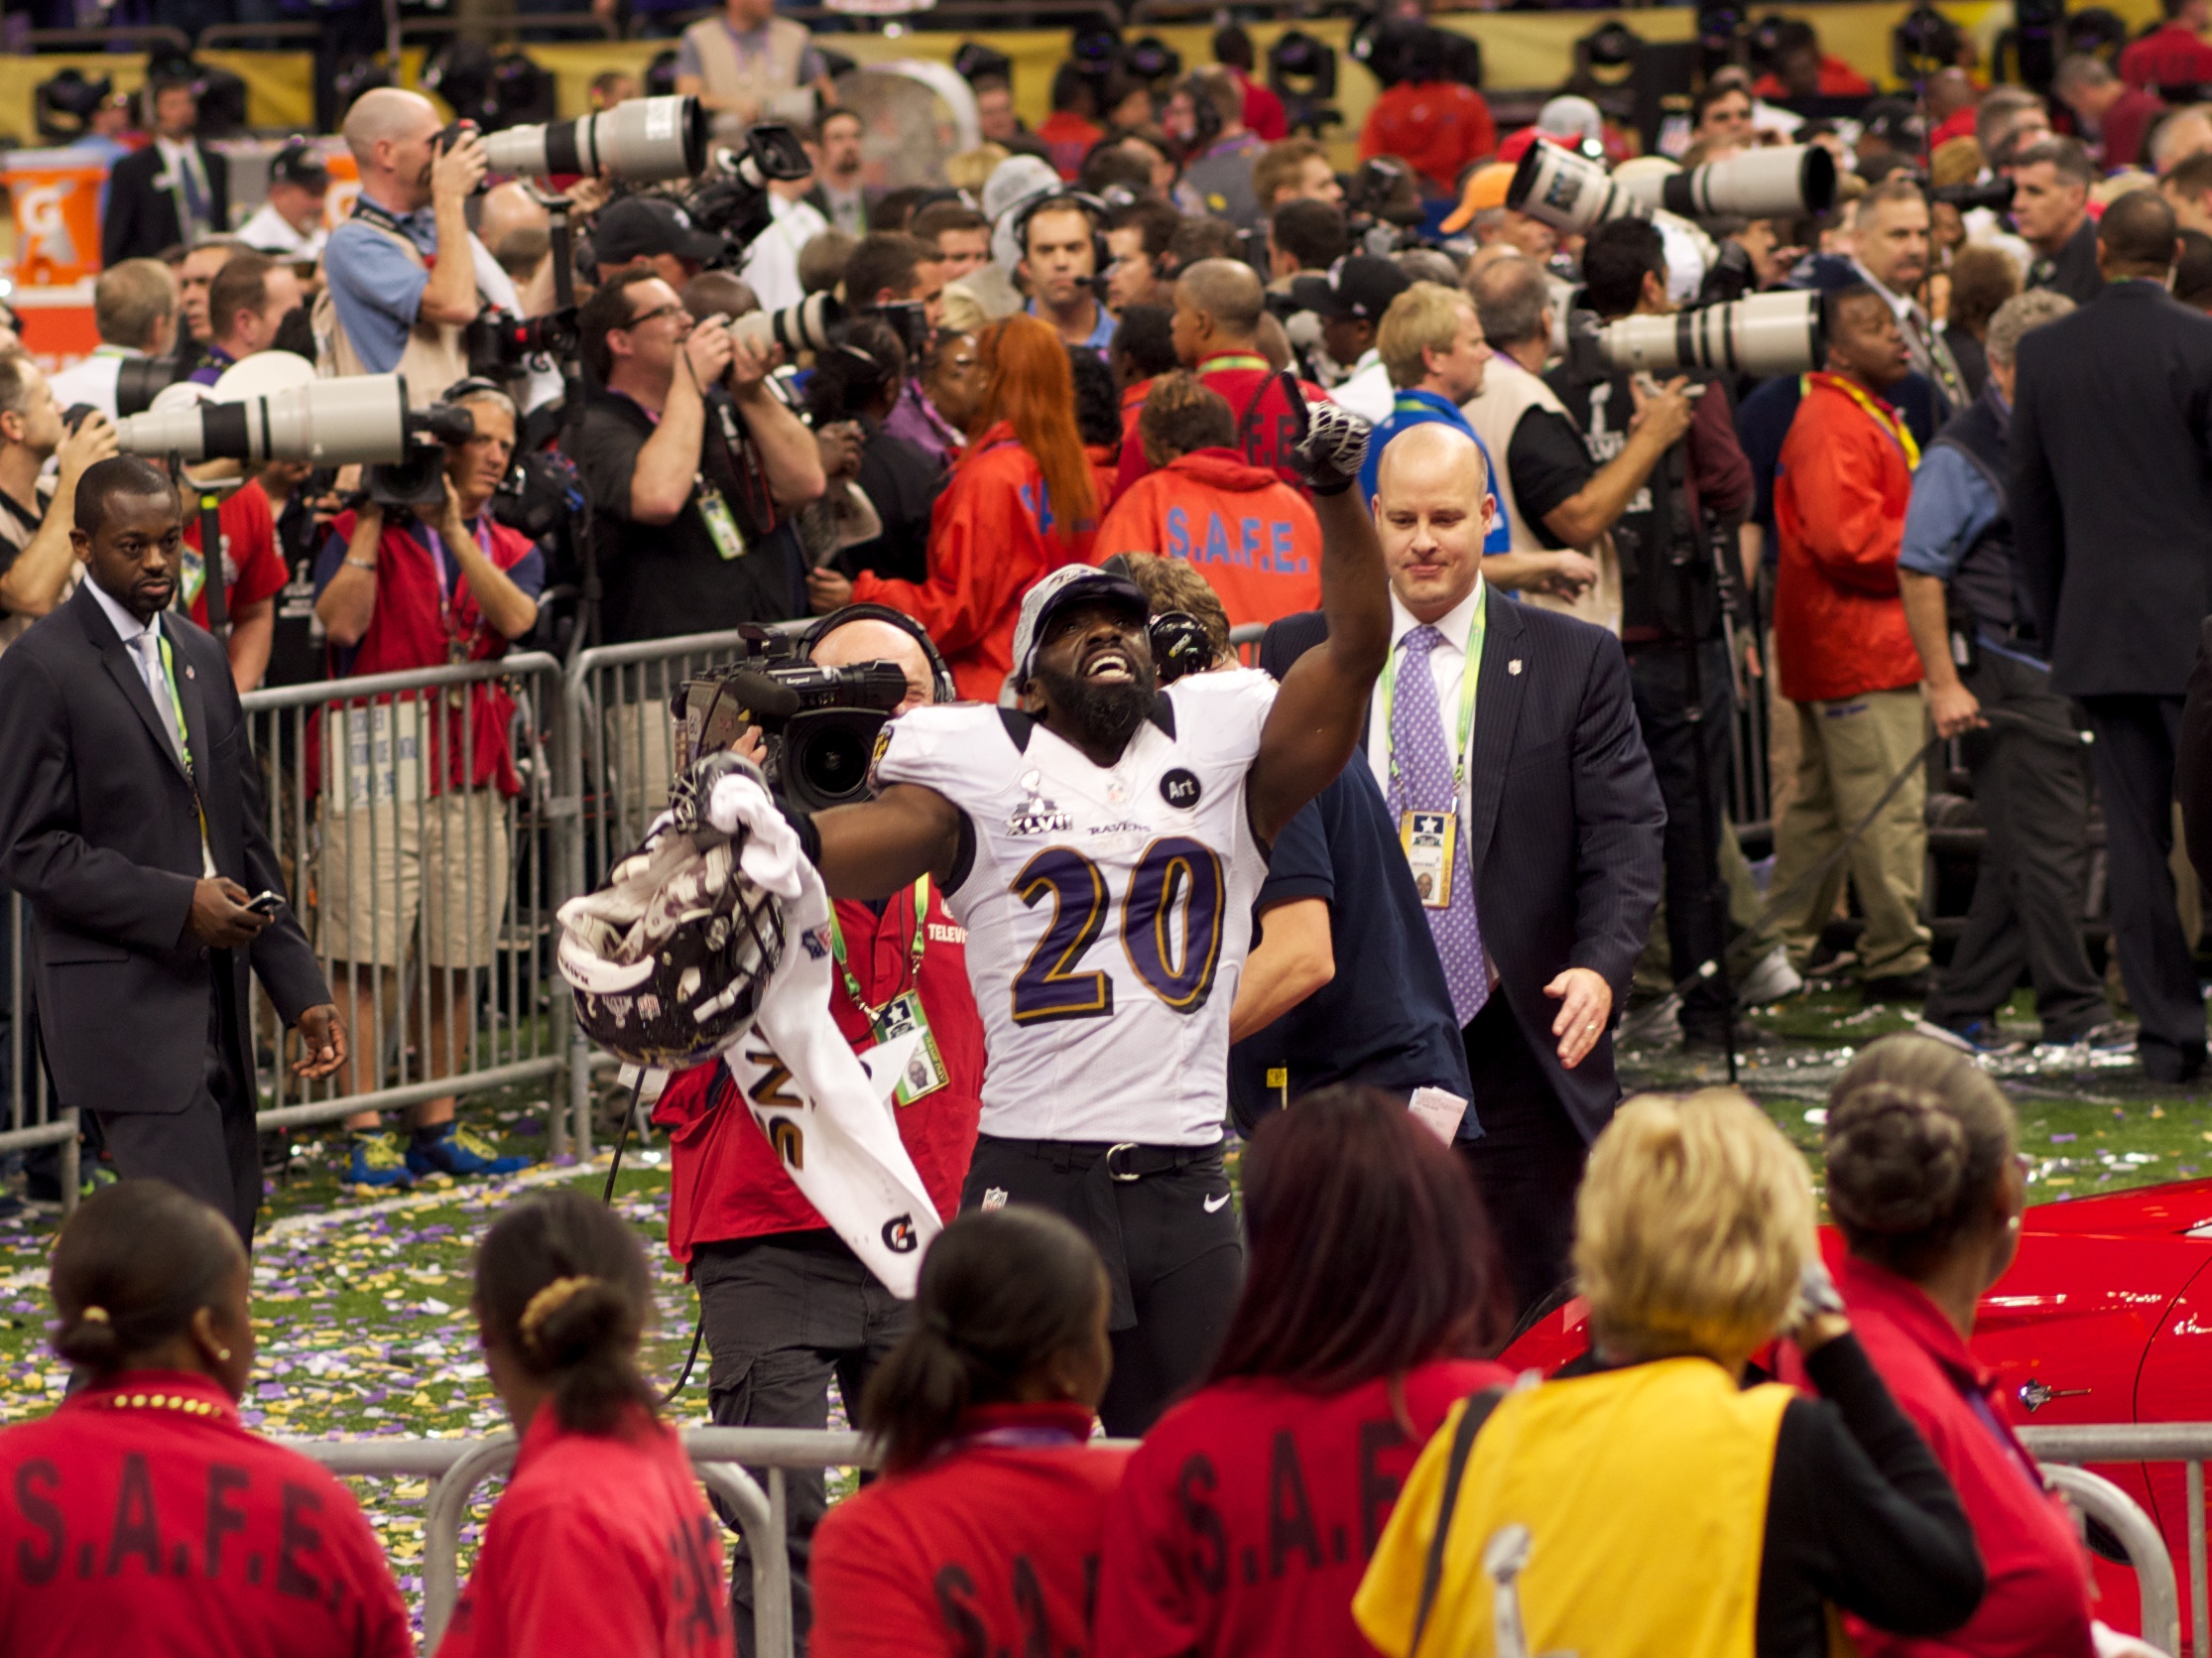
1644 1494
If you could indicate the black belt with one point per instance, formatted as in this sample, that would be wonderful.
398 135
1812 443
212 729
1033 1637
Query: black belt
1104 1165
1125 1159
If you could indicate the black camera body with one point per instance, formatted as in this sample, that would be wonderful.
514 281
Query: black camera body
735 204
500 344
819 724
417 484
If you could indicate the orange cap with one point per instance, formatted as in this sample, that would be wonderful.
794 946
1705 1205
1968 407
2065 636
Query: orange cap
1486 188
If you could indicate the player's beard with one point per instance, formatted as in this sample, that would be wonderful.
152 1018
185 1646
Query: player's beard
1097 715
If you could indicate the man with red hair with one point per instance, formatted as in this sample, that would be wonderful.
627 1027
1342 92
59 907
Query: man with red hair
1021 503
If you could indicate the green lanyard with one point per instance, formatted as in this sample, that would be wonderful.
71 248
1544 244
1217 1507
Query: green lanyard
914 951
1233 361
175 702
1468 676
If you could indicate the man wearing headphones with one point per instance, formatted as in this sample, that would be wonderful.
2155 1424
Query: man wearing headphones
1059 234
784 1301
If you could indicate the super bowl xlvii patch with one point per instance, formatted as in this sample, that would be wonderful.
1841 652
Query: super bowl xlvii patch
1037 815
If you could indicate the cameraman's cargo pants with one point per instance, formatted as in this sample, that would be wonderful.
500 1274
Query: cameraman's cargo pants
783 1314
1849 751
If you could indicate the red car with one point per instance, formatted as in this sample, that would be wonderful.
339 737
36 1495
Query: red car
2104 1316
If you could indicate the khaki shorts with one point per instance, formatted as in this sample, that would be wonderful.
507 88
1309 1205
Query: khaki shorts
641 749
377 863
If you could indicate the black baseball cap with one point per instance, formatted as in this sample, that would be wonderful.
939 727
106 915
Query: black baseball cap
640 226
1360 287
1893 121
301 165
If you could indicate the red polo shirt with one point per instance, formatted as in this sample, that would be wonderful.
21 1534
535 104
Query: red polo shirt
727 1182
601 1544
1436 127
253 569
142 1517
2174 55
990 1547
1246 1518
2037 1604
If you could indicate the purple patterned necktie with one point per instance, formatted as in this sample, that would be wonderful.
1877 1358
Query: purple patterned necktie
1421 781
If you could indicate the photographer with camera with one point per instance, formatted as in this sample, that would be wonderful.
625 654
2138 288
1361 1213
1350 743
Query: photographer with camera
404 277
398 591
1659 472
784 1301
38 570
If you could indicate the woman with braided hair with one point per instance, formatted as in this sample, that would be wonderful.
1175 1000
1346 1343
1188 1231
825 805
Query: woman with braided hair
143 1516
984 1535
1926 1189
601 1542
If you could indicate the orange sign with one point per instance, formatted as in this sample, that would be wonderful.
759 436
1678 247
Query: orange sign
54 196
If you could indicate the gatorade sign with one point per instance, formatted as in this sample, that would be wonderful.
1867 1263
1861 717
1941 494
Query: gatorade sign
54 196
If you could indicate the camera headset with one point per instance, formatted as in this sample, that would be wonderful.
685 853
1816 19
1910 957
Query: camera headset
1063 195
942 687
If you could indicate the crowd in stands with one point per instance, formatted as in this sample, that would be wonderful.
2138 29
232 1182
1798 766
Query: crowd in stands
1077 385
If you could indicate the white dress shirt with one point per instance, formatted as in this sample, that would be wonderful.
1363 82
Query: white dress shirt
177 160
1447 666
130 629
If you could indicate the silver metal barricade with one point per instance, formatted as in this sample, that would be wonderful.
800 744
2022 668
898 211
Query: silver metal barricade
415 817
2186 1443
35 1116
615 775
1245 641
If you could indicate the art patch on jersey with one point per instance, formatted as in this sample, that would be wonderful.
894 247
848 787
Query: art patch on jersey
1179 789
1037 815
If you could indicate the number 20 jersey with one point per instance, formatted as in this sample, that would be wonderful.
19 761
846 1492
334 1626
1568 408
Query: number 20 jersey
1108 909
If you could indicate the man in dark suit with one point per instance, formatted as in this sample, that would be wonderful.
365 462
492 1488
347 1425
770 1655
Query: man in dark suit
131 819
176 190
1534 814
2112 496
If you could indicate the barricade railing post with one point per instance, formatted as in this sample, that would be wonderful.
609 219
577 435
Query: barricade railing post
377 778
2200 1614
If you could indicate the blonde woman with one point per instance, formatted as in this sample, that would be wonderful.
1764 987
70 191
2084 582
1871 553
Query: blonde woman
1651 1504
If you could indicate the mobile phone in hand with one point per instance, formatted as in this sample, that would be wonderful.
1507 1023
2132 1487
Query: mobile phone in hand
265 903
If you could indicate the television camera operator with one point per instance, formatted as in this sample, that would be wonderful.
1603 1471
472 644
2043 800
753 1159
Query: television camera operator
400 587
1673 531
786 1303
693 466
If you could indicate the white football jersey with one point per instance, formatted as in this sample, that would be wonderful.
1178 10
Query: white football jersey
1108 909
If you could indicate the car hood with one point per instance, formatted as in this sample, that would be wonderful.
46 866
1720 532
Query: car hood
2180 1207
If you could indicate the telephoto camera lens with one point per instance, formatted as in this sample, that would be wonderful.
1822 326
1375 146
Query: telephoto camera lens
1767 334
804 327
332 423
641 142
1569 192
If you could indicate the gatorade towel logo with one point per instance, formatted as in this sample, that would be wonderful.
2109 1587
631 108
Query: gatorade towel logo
899 1235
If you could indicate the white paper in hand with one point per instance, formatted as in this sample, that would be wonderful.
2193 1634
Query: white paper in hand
1439 1112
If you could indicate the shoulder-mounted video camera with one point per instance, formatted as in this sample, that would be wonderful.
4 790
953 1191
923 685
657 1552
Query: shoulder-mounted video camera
819 724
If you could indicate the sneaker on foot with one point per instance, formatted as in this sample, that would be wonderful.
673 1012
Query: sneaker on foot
1979 1037
460 1151
1771 979
377 1163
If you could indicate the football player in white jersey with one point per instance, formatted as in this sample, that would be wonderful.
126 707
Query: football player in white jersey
1102 845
